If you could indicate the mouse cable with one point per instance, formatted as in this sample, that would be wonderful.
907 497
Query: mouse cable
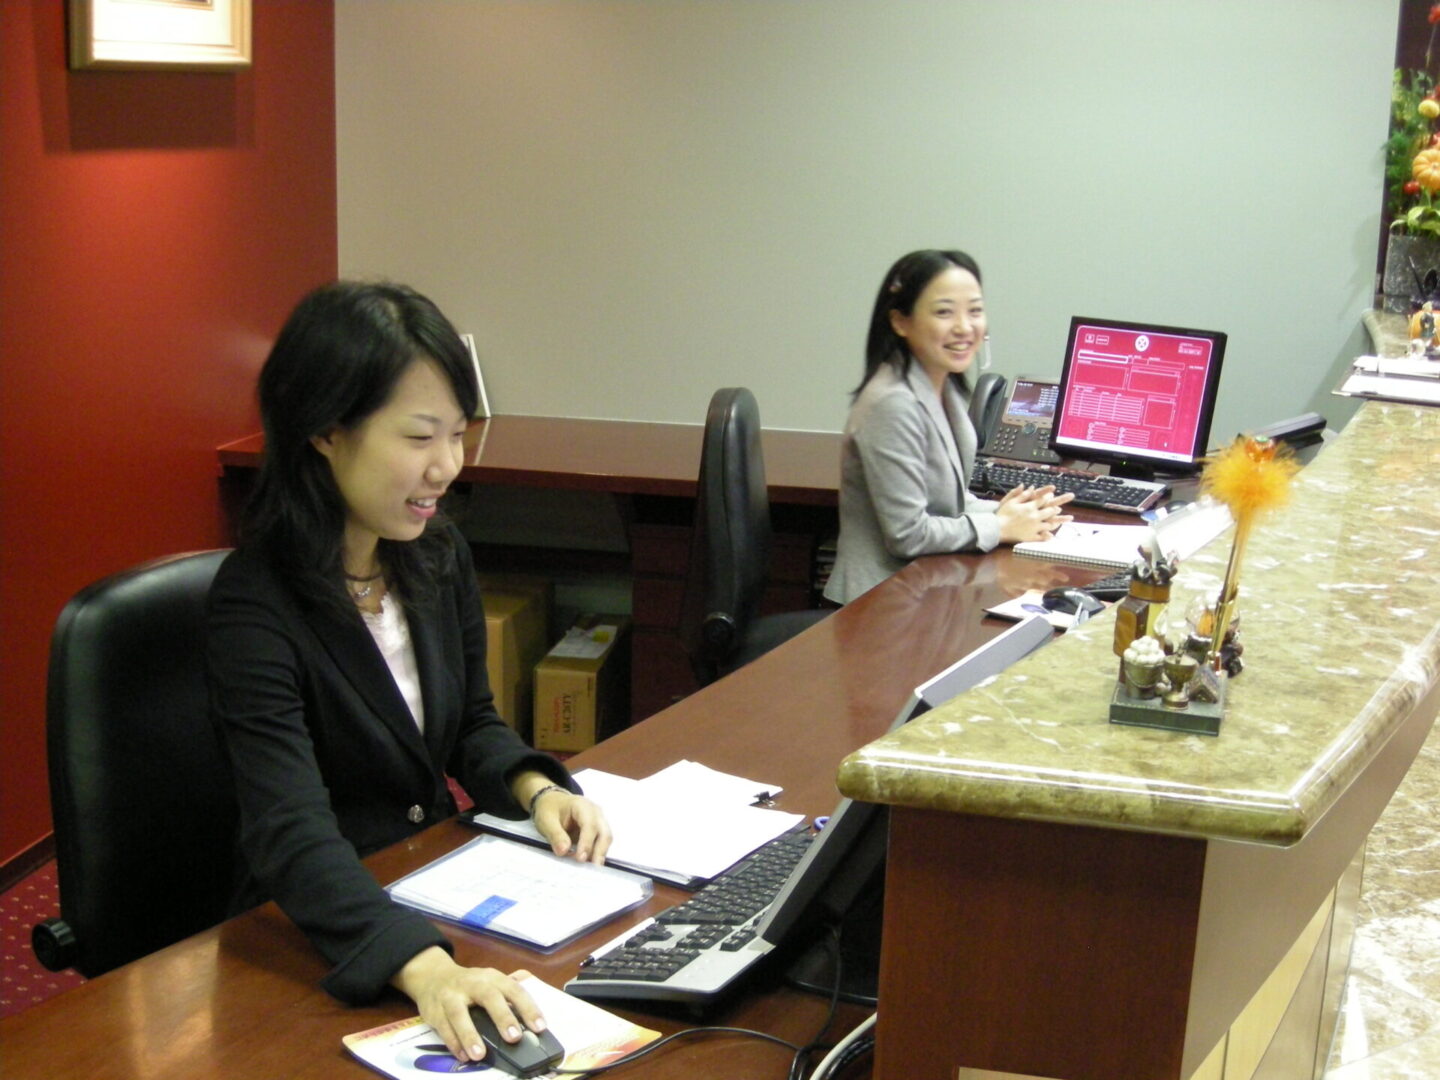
852 1046
636 1055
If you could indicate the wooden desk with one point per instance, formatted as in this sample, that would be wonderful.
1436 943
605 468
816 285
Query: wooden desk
1311 752
650 471
242 999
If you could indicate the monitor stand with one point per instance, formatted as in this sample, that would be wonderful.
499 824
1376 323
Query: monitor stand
859 955
1132 470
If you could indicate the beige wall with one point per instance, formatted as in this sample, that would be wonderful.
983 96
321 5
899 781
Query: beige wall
632 203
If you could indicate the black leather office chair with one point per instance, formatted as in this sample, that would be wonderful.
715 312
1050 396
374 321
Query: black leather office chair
142 802
730 548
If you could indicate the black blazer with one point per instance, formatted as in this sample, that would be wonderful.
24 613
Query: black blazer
329 765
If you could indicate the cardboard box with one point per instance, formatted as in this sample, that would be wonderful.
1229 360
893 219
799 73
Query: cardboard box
542 588
516 638
582 685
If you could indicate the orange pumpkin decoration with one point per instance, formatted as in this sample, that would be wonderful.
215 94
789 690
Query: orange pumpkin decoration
1426 169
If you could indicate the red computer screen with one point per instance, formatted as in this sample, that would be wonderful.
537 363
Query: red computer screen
1137 392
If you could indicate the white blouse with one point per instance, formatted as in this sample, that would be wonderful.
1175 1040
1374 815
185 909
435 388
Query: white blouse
392 633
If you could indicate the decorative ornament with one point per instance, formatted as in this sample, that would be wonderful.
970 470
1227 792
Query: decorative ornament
1251 477
1174 671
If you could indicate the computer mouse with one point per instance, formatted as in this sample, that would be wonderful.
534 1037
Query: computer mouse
535 1053
1069 600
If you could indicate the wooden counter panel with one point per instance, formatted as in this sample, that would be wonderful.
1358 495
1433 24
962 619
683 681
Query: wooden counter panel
619 456
1049 950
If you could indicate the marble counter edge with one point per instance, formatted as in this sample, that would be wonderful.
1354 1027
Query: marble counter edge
938 773
877 774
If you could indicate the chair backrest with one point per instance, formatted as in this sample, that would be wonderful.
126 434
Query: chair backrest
730 548
142 802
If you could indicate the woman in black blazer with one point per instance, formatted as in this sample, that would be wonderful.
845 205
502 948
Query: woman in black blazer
346 650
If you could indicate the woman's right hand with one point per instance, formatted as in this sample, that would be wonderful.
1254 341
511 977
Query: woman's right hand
1027 513
444 991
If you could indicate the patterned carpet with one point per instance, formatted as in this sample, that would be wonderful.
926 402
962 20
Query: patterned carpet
23 981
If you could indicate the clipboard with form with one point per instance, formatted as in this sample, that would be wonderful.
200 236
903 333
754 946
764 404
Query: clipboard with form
518 892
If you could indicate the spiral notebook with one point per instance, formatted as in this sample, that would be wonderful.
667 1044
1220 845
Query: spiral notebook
1115 547
1109 547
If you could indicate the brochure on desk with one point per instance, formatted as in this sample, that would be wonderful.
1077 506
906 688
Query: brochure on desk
591 1036
520 893
683 825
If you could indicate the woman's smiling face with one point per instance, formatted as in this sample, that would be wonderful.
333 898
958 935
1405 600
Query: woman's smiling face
394 465
944 330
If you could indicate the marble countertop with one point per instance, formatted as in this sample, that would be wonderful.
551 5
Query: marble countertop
1340 609
1389 332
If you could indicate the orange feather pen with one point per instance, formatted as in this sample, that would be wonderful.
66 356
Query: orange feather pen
1251 477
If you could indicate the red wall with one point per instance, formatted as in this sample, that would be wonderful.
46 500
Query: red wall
155 228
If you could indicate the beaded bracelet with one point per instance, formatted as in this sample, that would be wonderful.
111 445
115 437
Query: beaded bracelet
543 791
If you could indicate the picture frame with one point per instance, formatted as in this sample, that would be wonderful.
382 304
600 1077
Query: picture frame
482 403
179 35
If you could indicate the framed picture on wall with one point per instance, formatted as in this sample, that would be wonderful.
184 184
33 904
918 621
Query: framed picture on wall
482 404
193 35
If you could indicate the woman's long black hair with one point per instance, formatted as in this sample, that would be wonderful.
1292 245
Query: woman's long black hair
903 284
336 361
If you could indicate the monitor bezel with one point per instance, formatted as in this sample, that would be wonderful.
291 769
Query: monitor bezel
1137 462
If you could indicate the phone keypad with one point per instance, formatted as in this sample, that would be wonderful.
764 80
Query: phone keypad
1026 441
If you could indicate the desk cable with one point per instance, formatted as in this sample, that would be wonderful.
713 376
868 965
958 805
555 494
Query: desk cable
636 1055
801 1053
854 1045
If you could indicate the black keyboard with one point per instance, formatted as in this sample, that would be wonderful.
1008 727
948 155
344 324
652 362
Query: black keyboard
695 951
1114 586
995 477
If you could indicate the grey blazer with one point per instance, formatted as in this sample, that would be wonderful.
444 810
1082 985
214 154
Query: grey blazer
903 463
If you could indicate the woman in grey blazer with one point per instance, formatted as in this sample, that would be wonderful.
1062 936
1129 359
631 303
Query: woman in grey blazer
909 443
346 650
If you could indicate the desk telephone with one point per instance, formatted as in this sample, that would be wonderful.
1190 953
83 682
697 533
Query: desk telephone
1022 431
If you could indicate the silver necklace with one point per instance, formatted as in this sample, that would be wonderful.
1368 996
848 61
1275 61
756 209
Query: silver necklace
366 588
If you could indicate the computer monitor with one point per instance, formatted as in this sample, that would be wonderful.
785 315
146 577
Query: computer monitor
839 883
1137 397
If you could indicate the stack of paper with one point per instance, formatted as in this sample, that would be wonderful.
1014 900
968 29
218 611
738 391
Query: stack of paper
1405 378
684 824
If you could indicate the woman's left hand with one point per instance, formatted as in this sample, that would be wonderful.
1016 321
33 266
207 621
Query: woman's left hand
567 821
565 818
